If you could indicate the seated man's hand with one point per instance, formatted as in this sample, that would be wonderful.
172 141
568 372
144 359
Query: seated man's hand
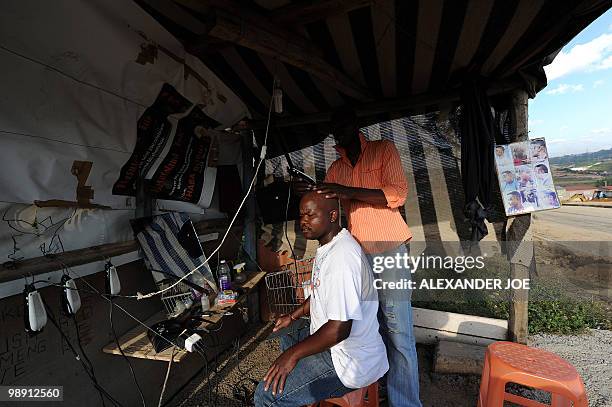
278 372
334 191
283 322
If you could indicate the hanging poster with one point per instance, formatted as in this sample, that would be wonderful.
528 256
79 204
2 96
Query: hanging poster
525 177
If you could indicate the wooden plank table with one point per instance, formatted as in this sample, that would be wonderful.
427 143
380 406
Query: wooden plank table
135 343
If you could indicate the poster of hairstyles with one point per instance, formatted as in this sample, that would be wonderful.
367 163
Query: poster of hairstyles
525 177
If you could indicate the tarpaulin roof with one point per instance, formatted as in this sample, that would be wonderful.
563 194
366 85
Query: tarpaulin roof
382 56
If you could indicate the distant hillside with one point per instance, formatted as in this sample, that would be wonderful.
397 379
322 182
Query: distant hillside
577 160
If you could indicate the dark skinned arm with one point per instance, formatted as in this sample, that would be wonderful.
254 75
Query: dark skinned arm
371 196
330 334
286 320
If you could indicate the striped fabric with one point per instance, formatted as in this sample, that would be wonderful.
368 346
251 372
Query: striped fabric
377 229
390 48
429 149
163 251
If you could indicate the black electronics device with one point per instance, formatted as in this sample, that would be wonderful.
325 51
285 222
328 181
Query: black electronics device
169 329
301 175
272 202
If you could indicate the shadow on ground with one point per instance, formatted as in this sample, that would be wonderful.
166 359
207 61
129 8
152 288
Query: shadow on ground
240 368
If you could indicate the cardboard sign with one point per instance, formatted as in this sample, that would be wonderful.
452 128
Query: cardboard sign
525 177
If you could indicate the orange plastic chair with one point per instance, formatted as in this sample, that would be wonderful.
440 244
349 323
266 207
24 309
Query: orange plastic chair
507 362
356 398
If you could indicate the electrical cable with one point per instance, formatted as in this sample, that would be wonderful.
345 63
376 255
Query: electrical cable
262 156
112 326
286 223
76 355
70 271
163 390
80 343
200 349
35 225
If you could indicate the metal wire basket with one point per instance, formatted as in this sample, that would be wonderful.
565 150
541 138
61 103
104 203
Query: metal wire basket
177 299
289 287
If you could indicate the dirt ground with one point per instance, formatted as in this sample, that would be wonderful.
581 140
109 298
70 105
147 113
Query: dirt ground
589 353
256 355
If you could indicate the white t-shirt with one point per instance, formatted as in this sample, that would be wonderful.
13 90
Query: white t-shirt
342 290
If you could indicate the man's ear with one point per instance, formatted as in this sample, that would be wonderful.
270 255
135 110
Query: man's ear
333 215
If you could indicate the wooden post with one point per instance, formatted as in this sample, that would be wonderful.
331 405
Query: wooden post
250 232
250 229
144 202
519 237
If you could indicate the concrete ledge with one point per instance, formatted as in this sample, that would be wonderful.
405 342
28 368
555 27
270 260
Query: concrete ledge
591 205
458 358
431 326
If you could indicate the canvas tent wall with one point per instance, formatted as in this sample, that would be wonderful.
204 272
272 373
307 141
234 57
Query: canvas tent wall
76 78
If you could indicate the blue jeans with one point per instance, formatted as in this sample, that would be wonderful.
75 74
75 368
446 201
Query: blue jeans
395 319
313 379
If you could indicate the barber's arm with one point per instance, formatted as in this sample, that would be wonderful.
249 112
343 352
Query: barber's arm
393 192
330 334
371 196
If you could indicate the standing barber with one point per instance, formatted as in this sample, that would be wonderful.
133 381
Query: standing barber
369 180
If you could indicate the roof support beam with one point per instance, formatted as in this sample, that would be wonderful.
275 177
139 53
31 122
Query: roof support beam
304 12
272 43
250 16
368 110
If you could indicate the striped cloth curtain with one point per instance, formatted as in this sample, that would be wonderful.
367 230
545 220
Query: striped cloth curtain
164 254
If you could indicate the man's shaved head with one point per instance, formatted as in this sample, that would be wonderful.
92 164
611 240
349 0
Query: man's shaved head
326 204
319 216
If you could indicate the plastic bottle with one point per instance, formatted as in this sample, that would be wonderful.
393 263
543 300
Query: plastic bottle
225 282
240 274
205 302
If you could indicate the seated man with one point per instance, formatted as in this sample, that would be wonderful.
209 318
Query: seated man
344 350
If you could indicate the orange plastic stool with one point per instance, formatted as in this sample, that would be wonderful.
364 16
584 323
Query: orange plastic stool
511 362
356 398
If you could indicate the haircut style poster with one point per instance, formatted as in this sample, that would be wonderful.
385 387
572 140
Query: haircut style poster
525 177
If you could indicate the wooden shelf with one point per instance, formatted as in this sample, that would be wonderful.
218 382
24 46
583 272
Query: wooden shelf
10 271
135 343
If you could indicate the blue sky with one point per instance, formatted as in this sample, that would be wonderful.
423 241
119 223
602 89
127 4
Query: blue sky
574 112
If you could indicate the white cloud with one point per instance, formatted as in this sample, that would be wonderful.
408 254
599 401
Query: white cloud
563 128
602 130
556 141
598 83
595 54
534 122
564 88
605 64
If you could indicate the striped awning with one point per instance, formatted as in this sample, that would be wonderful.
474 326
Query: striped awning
377 56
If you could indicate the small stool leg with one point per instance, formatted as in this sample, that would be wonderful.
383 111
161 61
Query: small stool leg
495 393
558 400
484 382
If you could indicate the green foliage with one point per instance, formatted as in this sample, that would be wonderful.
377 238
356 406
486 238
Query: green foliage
603 182
550 309
575 160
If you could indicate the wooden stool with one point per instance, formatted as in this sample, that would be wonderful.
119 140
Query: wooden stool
511 362
356 398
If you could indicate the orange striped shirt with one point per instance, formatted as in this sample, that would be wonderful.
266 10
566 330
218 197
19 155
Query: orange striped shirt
377 228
